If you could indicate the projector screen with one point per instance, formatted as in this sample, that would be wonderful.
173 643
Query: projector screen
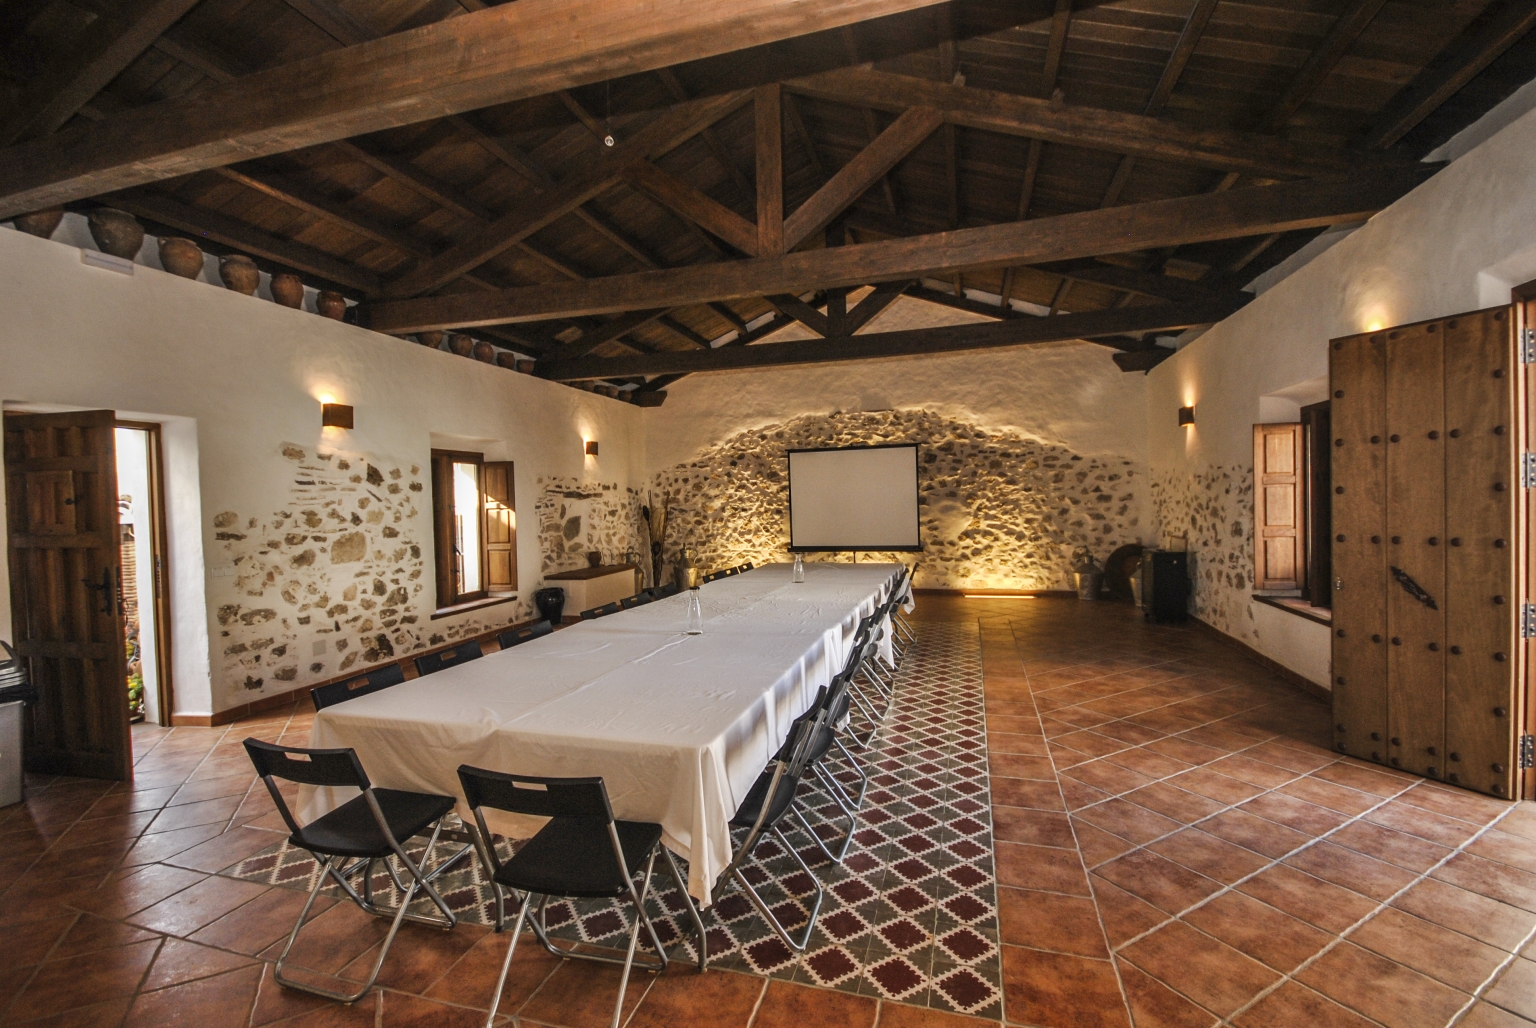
854 498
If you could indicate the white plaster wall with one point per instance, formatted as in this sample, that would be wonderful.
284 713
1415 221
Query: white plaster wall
1457 243
235 377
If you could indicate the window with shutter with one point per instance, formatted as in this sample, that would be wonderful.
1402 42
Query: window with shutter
500 527
1279 538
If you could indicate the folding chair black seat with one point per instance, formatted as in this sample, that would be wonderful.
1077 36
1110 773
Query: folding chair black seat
517 636
373 826
463 653
661 592
771 797
581 852
359 685
594 613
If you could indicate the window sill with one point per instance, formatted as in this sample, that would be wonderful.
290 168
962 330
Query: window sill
1298 606
465 608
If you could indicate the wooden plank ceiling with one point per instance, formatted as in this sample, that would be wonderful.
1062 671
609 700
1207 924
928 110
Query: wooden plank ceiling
1119 169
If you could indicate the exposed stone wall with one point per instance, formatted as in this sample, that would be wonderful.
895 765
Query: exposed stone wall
998 509
1214 509
577 517
339 575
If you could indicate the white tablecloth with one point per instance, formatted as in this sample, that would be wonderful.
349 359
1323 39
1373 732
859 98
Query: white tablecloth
678 726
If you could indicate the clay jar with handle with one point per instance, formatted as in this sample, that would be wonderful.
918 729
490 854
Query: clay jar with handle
181 256
116 232
288 290
239 273
40 223
331 304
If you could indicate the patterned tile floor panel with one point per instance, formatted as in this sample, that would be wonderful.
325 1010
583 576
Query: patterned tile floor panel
911 913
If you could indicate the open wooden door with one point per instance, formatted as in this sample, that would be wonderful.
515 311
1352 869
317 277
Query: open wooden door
65 567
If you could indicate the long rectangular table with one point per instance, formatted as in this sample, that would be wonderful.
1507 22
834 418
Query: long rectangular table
678 726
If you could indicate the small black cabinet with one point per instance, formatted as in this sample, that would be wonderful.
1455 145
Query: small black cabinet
1165 586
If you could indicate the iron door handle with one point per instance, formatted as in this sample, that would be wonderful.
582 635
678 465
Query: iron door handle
105 588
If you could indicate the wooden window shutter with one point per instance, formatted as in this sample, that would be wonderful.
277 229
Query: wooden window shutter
500 526
442 528
1279 546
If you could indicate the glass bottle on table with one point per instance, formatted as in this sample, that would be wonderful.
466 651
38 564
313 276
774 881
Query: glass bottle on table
798 574
695 624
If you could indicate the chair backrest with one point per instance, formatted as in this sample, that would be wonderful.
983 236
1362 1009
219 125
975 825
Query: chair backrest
540 797
661 592
747 566
594 613
517 636
337 768
713 575
838 701
430 663
637 600
359 685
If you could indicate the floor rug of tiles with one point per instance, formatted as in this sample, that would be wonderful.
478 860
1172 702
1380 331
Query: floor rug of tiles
911 913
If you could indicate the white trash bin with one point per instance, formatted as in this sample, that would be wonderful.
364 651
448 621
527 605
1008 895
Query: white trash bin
10 753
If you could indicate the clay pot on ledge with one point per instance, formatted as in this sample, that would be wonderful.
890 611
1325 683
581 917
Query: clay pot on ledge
594 559
506 359
484 352
117 233
288 290
239 273
331 304
40 223
525 366
461 344
431 340
181 256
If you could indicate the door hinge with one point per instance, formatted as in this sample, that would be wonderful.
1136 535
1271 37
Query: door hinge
1527 751
1528 469
1528 346
1528 620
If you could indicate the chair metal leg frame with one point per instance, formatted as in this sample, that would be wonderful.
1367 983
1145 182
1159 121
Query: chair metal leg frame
734 872
853 820
328 870
693 910
857 801
447 921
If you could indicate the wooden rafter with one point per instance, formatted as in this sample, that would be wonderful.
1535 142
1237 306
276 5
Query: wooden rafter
768 142
1322 61
1233 214
697 207
440 69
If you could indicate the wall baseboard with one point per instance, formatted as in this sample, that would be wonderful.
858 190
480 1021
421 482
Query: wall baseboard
1297 679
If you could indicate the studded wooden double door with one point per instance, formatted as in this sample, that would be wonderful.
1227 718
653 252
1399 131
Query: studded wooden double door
1428 548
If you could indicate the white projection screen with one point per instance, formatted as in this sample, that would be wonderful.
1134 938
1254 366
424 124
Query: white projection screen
854 498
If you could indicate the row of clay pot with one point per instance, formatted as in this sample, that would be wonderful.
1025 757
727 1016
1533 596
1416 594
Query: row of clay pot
119 234
464 346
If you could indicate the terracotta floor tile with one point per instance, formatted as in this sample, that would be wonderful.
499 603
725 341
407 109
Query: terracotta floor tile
1165 799
1097 845
1486 1015
1047 920
900 1015
1484 919
471 980
402 1010
1312 900
1506 849
1168 886
1426 824
1108 777
1128 732
1092 743
1515 990
1058 991
419 956
84 980
1443 955
1355 871
1154 1005
1206 971
1189 752
1149 763
275 1003
1210 856
1205 782
787 1005
1490 878
127 892
1295 814
180 962
1040 867
1398 848
1378 782
156 846
1254 772
31 941
1021 792
222 1000
1013 765
197 906
1291 758
215 788
1035 827
1382 989
581 994
1077 795
226 849
1029 745
259 924
1292 1006
91 934
720 999
1254 833
1259 930
1452 802
1327 794
1129 821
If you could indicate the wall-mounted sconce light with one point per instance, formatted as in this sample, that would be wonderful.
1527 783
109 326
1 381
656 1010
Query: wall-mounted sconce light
591 447
1186 415
335 415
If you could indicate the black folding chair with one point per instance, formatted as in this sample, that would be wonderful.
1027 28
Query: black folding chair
370 827
601 612
661 592
637 600
836 708
716 575
746 567
582 852
361 685
517 636
898 616
772 797
463 653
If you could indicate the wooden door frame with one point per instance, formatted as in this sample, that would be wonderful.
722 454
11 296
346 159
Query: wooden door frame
1524 297
160 554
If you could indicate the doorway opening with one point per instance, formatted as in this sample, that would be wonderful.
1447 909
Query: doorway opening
142 593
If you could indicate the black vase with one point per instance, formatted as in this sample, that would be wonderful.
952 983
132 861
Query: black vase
551 602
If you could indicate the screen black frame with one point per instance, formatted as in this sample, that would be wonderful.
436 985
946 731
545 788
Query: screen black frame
917 485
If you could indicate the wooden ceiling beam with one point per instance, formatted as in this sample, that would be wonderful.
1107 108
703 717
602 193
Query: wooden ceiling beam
711 137
699 208
1321 62
611 330
1203 218
654 139
879 298
510 52
107 46
805 313
879 345
1145 283
1116 132
768 146
855 178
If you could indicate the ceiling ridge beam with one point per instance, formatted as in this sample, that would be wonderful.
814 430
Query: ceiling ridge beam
1245 211
908 343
